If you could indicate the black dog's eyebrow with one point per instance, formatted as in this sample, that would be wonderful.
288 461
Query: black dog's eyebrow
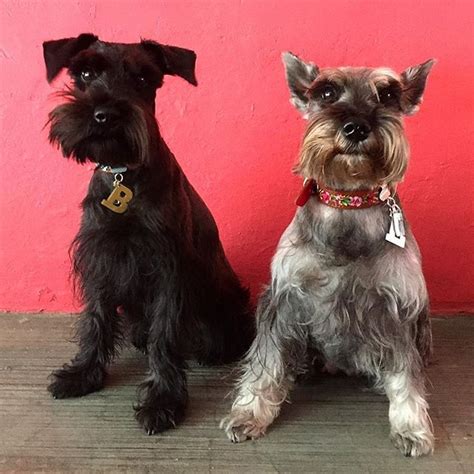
151 72
147 69
90 59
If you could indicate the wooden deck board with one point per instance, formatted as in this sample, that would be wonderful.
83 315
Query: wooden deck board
334 424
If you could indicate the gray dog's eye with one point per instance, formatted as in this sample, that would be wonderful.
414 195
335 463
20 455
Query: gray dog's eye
385 95
389 96
328 93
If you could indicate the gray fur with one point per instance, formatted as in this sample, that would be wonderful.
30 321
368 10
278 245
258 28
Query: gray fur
299 76
414 82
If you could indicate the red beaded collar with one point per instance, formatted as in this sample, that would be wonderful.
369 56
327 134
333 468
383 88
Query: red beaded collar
360 199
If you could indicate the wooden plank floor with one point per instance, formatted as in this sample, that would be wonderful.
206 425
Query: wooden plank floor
333 424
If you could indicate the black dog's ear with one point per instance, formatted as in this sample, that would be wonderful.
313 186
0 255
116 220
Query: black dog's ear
413 82
173 60
58 53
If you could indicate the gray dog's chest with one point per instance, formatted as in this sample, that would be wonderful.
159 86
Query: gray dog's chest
347 236
351 300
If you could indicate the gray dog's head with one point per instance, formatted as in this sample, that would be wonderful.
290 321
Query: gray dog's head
355 135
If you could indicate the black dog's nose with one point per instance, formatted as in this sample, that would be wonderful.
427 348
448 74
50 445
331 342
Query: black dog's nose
356 130
104 114
100 115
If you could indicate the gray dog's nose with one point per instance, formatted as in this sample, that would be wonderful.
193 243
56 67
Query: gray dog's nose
356 130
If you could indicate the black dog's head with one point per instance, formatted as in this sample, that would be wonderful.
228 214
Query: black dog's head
108 116
355 136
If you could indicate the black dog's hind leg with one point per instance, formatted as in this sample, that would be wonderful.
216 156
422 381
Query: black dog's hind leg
98 332
163 395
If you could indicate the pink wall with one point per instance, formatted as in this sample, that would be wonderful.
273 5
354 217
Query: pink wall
236 135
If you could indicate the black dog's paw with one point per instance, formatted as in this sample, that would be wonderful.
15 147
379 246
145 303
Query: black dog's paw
156 418
73 382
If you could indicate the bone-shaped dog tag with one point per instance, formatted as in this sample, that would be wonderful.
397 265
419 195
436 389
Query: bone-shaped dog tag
396 233
118 199
384 192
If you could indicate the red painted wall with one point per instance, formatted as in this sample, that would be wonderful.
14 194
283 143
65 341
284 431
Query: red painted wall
236 135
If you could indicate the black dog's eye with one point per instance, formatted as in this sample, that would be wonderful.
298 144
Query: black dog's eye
328 94
142 81
88 75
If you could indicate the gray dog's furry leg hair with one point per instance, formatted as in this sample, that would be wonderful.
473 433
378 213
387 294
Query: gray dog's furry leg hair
410 424
269 368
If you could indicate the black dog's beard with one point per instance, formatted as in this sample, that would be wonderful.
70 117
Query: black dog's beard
126 142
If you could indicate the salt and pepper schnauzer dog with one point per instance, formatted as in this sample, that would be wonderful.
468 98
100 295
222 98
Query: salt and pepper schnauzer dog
148 258
346 277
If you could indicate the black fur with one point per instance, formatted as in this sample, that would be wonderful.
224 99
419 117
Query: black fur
156 274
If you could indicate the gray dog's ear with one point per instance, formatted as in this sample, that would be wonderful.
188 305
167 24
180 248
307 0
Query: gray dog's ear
413 82
58 53
173 60
300 76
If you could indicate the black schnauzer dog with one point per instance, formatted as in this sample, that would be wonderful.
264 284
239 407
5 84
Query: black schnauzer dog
147 259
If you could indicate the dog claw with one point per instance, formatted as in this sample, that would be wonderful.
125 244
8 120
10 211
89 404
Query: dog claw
413 445
155 419
243 426
70 382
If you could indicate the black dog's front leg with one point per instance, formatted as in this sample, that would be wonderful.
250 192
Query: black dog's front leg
163 395
98 332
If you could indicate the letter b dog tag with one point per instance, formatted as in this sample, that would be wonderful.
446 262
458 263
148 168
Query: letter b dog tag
118 199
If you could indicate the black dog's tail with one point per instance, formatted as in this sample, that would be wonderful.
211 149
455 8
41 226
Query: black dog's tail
230 328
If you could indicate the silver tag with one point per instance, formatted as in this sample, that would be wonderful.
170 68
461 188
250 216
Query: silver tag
396 233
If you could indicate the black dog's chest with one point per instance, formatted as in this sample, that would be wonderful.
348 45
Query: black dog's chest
116 249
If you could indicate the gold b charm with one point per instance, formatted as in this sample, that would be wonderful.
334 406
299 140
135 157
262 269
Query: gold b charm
119 197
